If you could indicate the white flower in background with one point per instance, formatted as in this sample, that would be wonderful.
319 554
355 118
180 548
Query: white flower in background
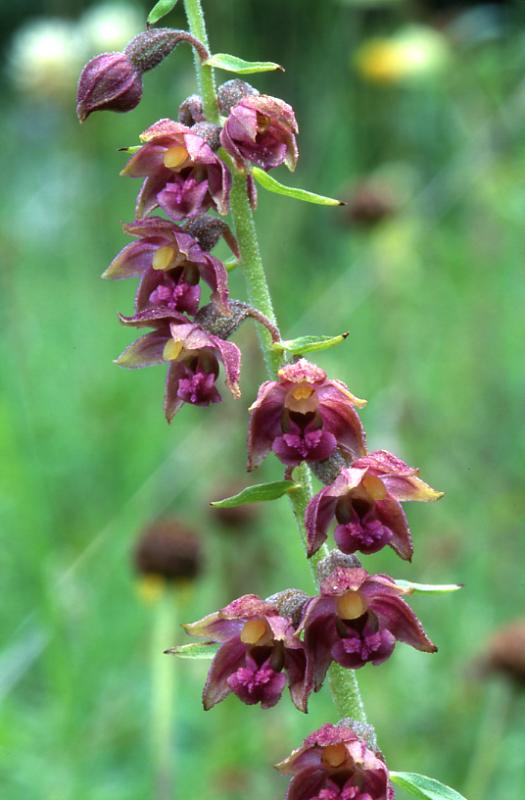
110 26
45 57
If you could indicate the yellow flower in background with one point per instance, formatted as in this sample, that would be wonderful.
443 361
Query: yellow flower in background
45 57
414 52
110 26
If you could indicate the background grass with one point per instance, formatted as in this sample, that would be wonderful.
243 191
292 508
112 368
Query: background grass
433 298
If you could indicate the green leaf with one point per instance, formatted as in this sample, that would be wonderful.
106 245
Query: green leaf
308 344
428 588
423 787
239 65
260 492
160 9
194 650
271 185
134 148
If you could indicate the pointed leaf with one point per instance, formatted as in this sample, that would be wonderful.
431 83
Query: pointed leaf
194 650
260 492
424 788
271 185
239 65
308 344
428 588
160 9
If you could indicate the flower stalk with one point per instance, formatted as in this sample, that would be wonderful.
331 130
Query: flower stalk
344 685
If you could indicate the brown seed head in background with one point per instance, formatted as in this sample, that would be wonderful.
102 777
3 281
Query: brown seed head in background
169 550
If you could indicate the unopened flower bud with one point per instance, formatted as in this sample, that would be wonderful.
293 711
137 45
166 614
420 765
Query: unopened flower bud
109 82
334 560
290 603
209 132
231 93
168 550
150 47
208 230
213 320
327 471
190 110
113 81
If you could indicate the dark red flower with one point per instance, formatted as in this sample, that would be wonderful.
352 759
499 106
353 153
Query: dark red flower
303 416
170 263
365 501
261 129
193 356
334 763
357 618
109 82
259 654
183 176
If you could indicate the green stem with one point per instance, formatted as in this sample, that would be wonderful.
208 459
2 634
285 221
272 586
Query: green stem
343 682
162 694
205 76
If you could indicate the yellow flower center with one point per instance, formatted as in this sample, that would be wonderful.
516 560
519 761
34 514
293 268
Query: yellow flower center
175 156
351 605
254 631
163 257
334 755
302 398
172 350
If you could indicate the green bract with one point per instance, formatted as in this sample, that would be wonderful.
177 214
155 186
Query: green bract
428 588
271 185
260 492
194 650
423 787
160 9
308 344
239 66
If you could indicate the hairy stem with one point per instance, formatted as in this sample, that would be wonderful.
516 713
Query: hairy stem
343 682
205 76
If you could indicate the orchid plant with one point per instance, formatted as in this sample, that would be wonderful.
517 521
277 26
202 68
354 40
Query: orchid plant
195 171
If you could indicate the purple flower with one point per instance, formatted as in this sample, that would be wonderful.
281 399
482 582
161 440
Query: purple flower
261 129
365 501
303 416
193 356
334 763
357 618
109 82
259 654
183 176
170 263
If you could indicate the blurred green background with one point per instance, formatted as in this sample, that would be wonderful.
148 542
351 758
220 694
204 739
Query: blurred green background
415 113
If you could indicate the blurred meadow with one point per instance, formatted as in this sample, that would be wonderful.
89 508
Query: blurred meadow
414 112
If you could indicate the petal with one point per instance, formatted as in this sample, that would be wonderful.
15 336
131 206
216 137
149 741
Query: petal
172 402
320 634
300 688
397 616
342 421
228 659
147 197
214 273
146 161
133 260
306 784
163 128
144 352
319 514
265 422
410 488
393 517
